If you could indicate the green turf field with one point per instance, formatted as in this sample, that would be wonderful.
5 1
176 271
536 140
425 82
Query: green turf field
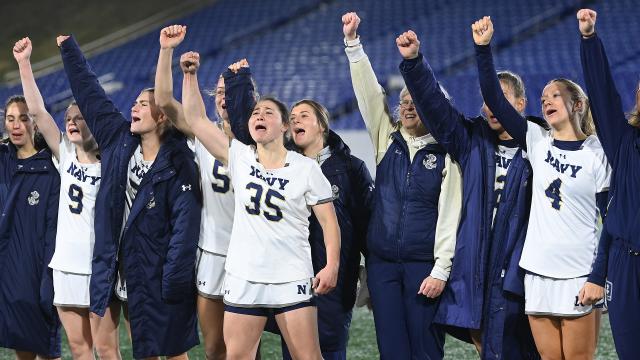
362 344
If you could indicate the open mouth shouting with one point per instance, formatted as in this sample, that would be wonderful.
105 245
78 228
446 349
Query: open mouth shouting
550 112
298 132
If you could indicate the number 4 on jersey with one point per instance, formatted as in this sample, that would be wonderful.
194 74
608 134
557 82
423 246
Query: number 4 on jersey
553 193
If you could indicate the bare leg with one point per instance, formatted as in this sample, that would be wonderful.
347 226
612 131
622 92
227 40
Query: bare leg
580 336
547 333
211 316
242 335
78 328
299 328
105 332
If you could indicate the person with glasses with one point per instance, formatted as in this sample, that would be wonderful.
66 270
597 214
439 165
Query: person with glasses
412 231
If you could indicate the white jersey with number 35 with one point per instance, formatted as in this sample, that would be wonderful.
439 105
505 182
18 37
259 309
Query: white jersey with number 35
75 236
562 236
270 236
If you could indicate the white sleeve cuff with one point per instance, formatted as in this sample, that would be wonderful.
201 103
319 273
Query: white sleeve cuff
355 53
439 273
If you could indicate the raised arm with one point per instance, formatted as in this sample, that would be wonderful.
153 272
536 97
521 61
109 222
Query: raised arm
170 37
436 112
606 105
46 125
213 139
327 278
371 97
103 118
513 122
239 99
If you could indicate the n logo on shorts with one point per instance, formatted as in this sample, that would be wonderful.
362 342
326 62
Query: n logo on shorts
302 289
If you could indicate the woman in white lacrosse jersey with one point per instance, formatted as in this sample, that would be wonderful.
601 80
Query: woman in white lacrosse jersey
269 269
571 177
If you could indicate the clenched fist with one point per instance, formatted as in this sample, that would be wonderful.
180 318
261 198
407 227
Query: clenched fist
190 62
408 45
587 21
482 31
172 36
235 67
22 50
61 38
350 22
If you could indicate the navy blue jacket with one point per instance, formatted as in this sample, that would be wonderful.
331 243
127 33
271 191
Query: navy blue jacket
353 187
472 143
405 210
29 193
621 144
161 233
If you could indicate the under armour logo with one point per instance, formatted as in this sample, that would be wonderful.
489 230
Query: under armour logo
227 292
203 283
186 187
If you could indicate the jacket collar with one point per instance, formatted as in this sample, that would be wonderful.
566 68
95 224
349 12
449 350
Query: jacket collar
162 167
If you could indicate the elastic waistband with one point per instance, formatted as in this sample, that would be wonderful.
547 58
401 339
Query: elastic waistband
621 243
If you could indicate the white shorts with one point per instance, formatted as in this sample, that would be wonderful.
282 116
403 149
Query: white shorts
121 288
210 274
555 297
70 290
243 293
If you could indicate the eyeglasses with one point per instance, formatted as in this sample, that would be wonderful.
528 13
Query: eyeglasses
406 104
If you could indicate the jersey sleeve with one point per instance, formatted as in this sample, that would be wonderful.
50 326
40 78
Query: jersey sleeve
318 187
602 172
66 148
236 149
536 134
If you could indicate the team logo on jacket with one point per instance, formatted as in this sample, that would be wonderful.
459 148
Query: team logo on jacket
152 203
335 190
429 162
34 198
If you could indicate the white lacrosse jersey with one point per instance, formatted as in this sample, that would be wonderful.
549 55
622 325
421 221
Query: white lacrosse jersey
504 154
218 204
562 236
75 237
270 236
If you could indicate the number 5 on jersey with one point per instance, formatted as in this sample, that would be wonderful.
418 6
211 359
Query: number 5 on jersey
254 207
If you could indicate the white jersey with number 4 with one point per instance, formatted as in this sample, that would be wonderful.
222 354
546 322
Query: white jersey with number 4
562 236
75 236
270 236
218 202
